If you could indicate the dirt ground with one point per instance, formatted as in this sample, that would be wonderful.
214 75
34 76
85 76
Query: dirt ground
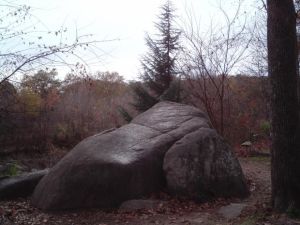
257 210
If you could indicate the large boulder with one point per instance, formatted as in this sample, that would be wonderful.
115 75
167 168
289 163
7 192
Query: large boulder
120 164
202 166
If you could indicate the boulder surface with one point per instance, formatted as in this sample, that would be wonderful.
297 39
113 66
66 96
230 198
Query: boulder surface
202 166
109 168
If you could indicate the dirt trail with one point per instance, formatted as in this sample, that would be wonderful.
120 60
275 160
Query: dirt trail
257 210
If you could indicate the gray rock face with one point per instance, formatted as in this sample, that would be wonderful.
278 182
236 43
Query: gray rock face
126 163
202 166
232 211
20 186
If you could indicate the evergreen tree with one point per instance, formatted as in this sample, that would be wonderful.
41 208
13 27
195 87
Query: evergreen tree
159 73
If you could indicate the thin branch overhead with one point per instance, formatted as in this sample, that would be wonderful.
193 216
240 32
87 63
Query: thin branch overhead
25 43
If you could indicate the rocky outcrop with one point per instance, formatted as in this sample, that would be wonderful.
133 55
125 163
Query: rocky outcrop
202 166
117 165
20 186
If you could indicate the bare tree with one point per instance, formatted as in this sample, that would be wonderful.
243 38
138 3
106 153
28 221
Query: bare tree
25 45
257 63
89 105
209 59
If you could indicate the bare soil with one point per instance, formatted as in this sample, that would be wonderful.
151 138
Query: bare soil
175 211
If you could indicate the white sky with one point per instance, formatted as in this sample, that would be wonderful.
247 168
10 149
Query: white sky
126 20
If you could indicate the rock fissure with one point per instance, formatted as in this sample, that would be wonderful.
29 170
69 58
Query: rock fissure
152 128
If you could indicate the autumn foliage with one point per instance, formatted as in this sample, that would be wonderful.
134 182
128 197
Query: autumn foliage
42 111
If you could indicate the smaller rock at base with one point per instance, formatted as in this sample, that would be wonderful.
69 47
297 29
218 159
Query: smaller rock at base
138 204
20 186
232 210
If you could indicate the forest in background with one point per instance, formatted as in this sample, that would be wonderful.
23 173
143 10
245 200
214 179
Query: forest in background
40 112
43 112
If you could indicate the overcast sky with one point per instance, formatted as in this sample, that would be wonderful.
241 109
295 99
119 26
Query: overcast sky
124 20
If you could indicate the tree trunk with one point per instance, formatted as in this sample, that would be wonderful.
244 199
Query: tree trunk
282 57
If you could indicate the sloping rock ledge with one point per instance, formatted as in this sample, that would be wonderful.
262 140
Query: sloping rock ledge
20 186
